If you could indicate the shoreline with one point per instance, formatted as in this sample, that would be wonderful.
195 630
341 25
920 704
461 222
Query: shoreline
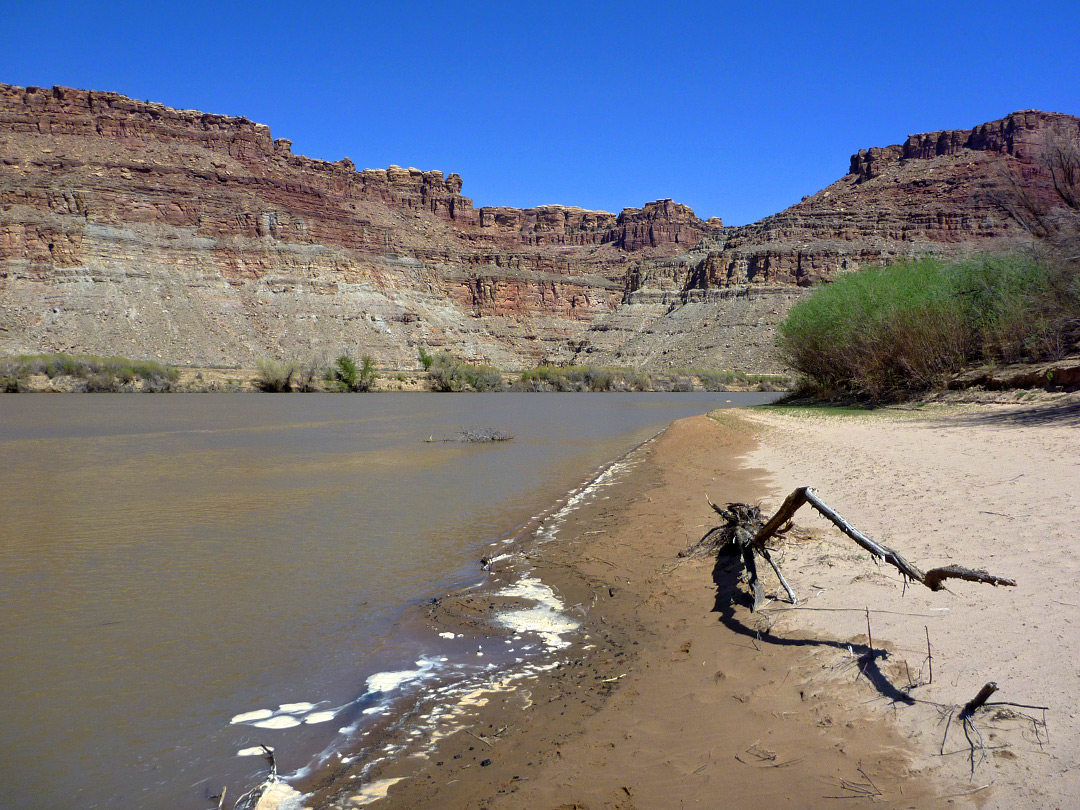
246 381
658 692
513 604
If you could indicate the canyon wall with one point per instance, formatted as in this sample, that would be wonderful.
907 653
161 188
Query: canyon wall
127 227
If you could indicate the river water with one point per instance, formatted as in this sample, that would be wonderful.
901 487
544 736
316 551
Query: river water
184 577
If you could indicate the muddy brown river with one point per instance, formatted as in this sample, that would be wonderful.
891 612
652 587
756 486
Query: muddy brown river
185 577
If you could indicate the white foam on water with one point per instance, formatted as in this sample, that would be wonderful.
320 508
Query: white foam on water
295 708
281 721
389 681
247 717
257 751
374 791
549 527
542 616
544 619
280 796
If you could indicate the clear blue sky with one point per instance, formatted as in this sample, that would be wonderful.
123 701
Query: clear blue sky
736 109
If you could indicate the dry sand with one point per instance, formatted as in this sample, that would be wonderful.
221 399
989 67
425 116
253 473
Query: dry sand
994 487
675 695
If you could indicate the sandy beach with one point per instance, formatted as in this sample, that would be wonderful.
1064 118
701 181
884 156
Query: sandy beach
673 694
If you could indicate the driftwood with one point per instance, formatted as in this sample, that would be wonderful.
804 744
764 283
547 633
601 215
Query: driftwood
749 533
966 717
474 436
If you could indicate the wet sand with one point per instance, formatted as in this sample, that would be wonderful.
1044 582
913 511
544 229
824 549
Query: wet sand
672 694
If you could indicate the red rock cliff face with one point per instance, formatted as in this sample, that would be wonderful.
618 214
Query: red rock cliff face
936 193
106 200
663 224
1018 135
131 228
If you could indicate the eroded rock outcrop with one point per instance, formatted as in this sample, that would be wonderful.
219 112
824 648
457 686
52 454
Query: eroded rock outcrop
663 224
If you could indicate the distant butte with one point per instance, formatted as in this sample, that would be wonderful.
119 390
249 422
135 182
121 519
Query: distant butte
128 227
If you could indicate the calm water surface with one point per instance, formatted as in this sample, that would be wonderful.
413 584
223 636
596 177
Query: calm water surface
169 562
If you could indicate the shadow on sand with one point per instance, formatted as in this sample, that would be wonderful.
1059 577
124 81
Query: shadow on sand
1058 413
733 602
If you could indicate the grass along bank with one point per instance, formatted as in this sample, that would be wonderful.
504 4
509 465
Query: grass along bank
443 373
85 373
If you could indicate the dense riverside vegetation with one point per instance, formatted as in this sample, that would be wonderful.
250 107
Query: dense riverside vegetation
442 372
607 378
94 374
887 334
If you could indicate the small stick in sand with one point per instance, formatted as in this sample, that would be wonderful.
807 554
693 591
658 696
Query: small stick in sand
869 635
929 657
481 739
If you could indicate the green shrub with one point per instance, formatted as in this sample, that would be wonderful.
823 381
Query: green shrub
345 372
583 378
426 359
449 374
1008 303
10 383
886 334
274 377
368 374
103 383
346 375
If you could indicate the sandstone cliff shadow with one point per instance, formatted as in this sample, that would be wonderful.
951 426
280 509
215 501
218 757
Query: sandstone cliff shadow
731 601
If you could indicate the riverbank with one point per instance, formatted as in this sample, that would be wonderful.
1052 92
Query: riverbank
72 374
668 693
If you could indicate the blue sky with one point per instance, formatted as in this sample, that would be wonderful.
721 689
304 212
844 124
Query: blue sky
736 109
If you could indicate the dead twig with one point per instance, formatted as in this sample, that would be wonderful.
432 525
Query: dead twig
481 739
929 657
251 799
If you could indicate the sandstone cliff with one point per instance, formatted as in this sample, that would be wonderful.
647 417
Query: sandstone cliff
127 227
940 192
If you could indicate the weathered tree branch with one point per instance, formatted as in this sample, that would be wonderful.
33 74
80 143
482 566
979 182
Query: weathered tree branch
932 579
749 532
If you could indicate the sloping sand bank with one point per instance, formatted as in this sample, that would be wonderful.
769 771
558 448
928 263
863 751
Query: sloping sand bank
994 487
675 695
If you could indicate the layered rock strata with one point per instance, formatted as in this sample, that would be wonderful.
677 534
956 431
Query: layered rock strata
128 227
937 193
